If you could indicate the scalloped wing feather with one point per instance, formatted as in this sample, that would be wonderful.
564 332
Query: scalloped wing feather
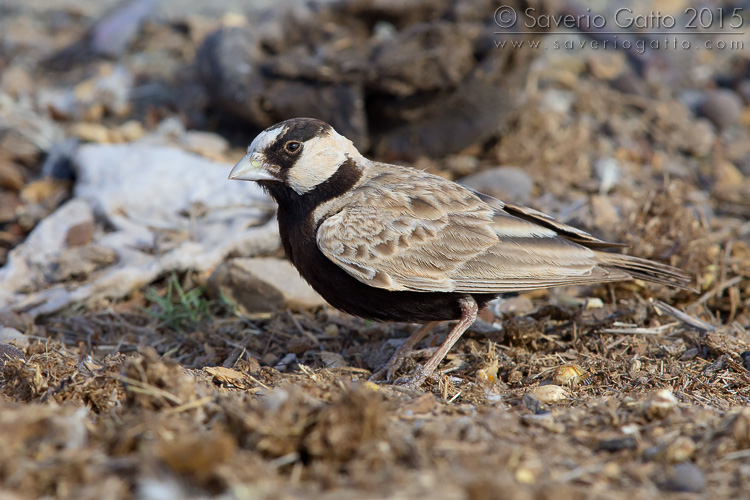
399 232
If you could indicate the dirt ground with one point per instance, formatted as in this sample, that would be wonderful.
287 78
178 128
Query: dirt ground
616 391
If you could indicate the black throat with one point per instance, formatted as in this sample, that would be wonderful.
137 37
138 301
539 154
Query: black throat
294 208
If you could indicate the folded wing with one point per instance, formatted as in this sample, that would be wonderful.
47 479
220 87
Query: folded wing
398 234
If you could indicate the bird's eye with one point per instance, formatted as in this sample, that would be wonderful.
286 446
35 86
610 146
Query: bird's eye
292 146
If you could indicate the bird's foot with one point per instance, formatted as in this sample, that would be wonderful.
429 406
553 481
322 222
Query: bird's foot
388 372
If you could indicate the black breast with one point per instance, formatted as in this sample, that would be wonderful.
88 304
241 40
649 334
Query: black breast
298 229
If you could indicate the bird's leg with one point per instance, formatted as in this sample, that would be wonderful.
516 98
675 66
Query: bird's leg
403 352
469 311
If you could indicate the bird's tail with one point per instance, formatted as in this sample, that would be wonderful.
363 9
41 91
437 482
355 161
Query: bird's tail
646 270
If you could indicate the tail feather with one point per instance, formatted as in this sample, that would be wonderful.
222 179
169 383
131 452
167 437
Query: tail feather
646 270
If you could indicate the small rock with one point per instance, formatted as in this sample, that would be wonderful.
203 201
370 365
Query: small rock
605 214
532 403
9 203
739 427
16 81
80 261
686 477
550 393
12 336
131 130
744 91
557 101
722 106
205 144
286 362
504 183
608 172
445 57
16 321
262 284
519 306
660 404
80 234
746 359
113 33
333 360
92 132
27 262
10 175
679 450
618 444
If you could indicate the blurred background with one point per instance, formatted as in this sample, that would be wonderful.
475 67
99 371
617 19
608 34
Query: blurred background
169 349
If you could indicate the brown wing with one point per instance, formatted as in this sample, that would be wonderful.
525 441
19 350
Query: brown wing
424 233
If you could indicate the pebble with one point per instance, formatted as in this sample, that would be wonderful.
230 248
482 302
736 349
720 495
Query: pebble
205 144
660 404
549 393
262 284
80 261
113 33
681 449
532 403
10 175
740 428
608 172
333 360
504 183
723 107
29 262
91 132
686 477
12 336
746 359
606 215
558 101
16 81
618 444
744 90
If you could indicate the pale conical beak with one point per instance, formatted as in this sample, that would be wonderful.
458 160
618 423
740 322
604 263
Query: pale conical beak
251 168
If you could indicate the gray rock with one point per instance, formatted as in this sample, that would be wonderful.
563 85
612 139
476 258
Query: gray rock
504 183
13 336
80 261
743 88
113 33
722 106
558 101
168 210
29 262
686 477
262 284
608 172
333 360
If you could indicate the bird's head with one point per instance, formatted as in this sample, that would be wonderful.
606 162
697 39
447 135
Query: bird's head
298 154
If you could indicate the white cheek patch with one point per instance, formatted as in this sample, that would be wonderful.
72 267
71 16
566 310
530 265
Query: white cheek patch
320 159
266 138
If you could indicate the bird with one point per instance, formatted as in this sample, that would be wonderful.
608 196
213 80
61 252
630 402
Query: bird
393 243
